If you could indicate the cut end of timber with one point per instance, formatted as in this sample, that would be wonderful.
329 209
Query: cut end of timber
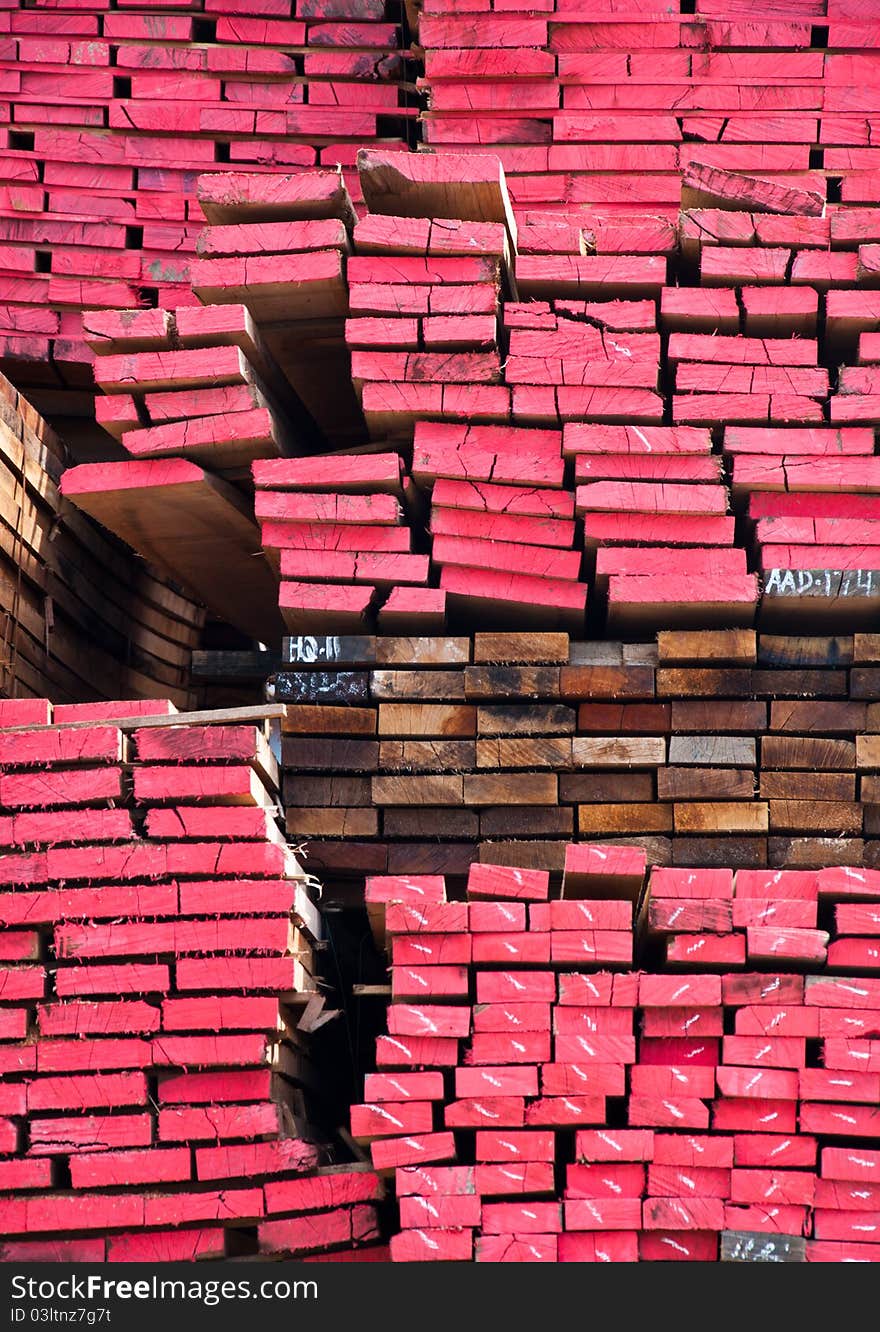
104 477
327 608
457 185
413 610
711 187
264 197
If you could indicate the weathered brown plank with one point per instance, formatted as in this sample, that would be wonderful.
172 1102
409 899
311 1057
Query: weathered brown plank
331 789
732 715
831 817
706 682
525 719
517 752
722 817
301 719
728 647
600 820
818 716
618 751
332 821
514 788
311 755
447 789
798 650
720 852
411 823
425 651
505 682
807 752
705 784
521 649
814 852
427 755
522 821
605 786
436 684
612 682
434 719
809 786
620 718
799 683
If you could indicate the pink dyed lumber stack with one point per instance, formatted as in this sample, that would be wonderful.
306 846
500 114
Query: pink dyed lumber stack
194 383
117 116
654 505
813 496
424 297
539 1100
156 954
502 527
278 246
336 527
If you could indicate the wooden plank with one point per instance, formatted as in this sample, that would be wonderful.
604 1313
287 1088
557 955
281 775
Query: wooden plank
512 788
709 187
728 647
708 715
237 197
793 650
519 649
715 751
705 784
189 523
807 753
427 755
138 720
812 786
618 752
465 187
722 817
344 687
742 1246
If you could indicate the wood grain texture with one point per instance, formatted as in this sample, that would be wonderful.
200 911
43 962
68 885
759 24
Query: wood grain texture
727 647
426 719
488 682
518 649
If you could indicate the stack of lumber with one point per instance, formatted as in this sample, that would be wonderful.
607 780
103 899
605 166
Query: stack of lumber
654 504
812 497
743 347
596 117
518 364
197 394
334 525
196 527
851 314
538 1100
115 115
432 262
585 344
424 292
278 245
502 525
602 110
705 748
157 954
744 351
528 384
195 383
82 617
